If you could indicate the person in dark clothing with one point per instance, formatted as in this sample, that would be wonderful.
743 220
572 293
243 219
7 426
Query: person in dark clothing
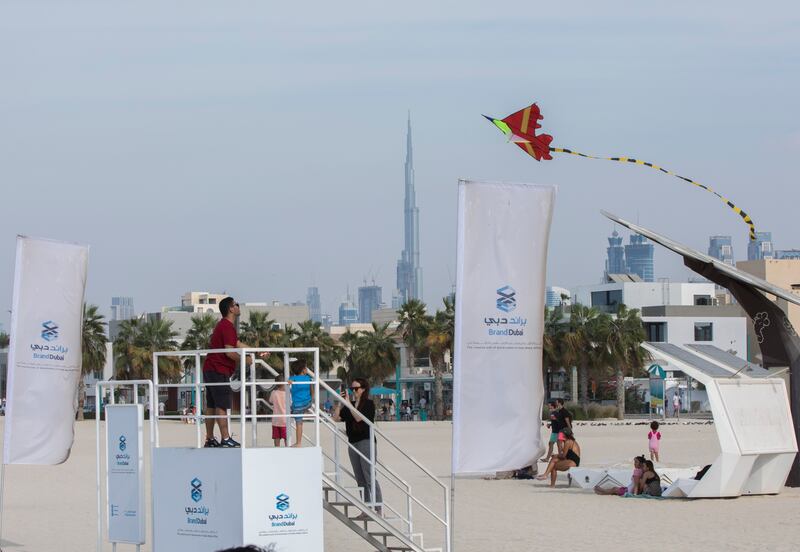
555 429
358 435
564 421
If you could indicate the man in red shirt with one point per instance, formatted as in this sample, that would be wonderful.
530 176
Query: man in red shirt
218 368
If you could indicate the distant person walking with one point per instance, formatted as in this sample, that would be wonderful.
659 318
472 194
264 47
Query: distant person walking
218 369
676 404
555 429
564 422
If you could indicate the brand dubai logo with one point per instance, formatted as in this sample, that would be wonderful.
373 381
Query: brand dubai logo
49 331
282 502
506 299
122 444
196 492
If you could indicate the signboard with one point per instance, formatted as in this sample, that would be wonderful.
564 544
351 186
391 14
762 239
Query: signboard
125 509
44 360
503 231
210 499
657 371
283 504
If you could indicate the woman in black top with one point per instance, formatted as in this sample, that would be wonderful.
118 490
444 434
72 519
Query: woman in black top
358 436
569 457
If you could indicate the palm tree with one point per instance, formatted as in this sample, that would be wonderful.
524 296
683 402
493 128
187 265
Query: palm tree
375 353
135 345
580 345
311 334
439 341
553 341
5 339
93 349
624 339
198 337
259 330
412 329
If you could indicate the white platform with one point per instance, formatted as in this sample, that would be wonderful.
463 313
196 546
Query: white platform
209 499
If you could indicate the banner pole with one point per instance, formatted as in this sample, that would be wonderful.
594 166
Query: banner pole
2 495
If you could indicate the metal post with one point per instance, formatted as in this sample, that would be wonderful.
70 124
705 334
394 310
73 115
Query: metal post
372 497
253 406
291 436
397 395
242 395
198 401
316 397
97 461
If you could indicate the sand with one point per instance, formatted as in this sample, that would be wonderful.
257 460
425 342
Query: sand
53 508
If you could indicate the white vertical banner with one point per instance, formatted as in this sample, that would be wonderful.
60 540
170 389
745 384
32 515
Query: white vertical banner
125 508
44 360
503 230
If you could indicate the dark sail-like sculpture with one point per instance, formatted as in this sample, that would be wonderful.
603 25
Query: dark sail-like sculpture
777 339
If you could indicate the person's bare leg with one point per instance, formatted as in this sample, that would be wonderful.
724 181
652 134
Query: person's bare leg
656 453
210 423
299 433
602 491
223 424
549 452
277 442
549 469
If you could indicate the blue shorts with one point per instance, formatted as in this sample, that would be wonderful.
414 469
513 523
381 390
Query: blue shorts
300 409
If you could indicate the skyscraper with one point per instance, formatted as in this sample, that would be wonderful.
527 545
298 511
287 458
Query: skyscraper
122 308
314 306
369 299
639 257
409 272
615 264
348 313
720 247
761 247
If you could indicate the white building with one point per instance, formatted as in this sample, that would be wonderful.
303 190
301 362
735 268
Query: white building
723 326
202 301
635 295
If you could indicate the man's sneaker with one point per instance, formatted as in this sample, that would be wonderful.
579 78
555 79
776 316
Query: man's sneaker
229 443
211 443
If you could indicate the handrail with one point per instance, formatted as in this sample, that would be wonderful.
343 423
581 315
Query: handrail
379 432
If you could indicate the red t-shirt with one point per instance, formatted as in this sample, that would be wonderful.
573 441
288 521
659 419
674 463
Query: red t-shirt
224 334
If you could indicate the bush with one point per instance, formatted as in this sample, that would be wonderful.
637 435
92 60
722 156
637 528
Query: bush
593 412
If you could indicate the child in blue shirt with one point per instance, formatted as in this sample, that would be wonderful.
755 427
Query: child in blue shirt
302 395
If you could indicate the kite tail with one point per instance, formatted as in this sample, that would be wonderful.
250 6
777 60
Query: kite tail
745 217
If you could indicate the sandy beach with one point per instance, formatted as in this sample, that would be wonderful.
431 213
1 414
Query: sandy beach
49 508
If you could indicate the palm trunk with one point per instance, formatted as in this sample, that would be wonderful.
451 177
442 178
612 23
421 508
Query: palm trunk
81 398
583 382
438 391
620 394
410 354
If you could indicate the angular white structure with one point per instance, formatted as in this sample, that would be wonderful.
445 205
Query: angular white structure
754 427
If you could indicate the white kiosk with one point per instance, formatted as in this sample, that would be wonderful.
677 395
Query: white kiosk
753 422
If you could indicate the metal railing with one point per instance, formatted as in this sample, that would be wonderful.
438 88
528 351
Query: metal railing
248 386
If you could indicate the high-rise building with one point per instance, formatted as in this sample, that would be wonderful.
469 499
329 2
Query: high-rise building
721 247
615 263
761 247
348 313
787 254
409 271
639 257
122 308
369 299
314 304
558 296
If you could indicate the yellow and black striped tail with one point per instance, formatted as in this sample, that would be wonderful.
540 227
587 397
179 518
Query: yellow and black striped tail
745 217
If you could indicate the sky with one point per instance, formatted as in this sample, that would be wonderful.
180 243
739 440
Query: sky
257 148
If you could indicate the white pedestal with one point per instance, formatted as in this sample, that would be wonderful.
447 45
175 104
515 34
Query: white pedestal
210 499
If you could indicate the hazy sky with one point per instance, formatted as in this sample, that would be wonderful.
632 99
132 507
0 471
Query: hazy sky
258 147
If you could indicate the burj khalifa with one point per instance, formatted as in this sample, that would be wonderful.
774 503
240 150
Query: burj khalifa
409 272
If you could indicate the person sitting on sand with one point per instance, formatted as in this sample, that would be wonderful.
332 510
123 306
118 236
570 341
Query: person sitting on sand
650 482
569 457
633 487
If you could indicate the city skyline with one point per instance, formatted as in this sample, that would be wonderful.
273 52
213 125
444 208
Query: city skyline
409 271
204 103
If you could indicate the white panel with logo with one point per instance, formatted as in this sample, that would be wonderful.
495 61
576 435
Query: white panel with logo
125 509
209 499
